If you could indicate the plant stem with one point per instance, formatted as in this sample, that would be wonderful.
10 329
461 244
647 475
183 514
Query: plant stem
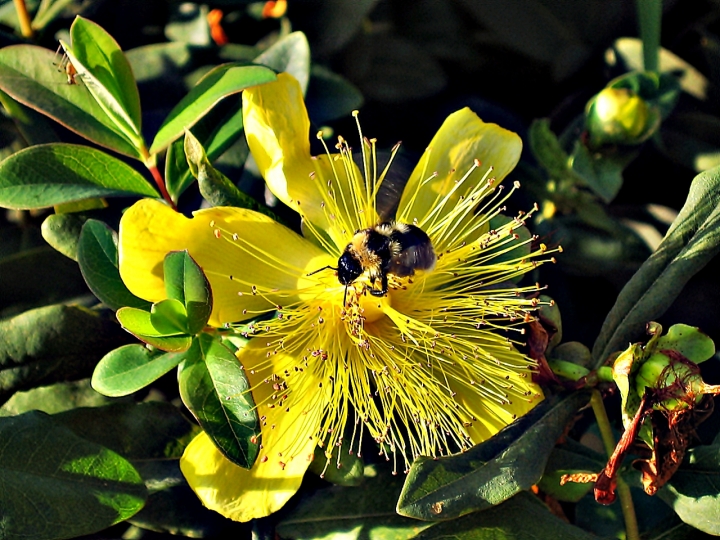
161 184
650 16
24 19
623 490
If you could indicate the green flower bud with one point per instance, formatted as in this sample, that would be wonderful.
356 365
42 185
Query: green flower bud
617 116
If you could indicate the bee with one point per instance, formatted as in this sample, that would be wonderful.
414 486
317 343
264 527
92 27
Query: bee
388 248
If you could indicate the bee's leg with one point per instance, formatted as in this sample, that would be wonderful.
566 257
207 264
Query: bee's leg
384 286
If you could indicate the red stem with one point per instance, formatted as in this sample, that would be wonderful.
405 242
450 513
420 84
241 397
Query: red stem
161 185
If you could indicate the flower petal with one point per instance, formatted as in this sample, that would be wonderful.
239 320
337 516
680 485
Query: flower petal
242 252
288 444
277 129
461 139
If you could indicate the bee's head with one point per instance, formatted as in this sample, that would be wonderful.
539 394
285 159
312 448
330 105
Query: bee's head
349 268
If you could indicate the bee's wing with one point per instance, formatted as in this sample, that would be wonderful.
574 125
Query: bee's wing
391 189
415 257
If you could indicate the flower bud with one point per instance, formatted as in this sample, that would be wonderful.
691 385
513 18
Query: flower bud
675 380
617 116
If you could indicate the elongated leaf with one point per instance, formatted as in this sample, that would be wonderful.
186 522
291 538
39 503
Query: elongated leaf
350 512
49 174
523 517
32 76
692 241
223 81
217 393
57 485
62 231
693 490
216 131
185 282
152 430
97 255
106 73
290 54
492 472
100 54
132 367
51 344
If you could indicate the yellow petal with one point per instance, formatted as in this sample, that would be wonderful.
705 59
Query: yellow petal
263 254
277 130
462 138
288 444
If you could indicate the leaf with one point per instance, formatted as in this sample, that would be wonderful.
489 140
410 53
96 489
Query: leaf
523 517
569 458
692 241
29 74
689 341
602 172
140 324
173 507
49 174
351 513
37 277
220 82
290 54
218 394
62 231
51 344
692 491
217 131
95 51
345 470
152 430
491 472
57 485
330 96
547 149
185 282
54 398
169 317
97 255
132 367
215 187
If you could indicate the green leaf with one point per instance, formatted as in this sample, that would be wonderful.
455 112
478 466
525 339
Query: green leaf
51 344
57 485
523 517
97 255
220 82
62 231
140 324
38 277
489 473
133 367
692 491
104 70
169 317
602 172
690 243
547 150
290 54
215 187
343 470
569 458
689 341
29 74
352 513
185 282
152 430
218 394
49 174
217 131
54 398
173 507
330 96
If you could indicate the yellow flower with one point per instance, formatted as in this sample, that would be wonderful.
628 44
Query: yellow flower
428 369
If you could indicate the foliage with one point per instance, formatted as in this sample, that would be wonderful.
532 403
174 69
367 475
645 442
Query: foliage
98 384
